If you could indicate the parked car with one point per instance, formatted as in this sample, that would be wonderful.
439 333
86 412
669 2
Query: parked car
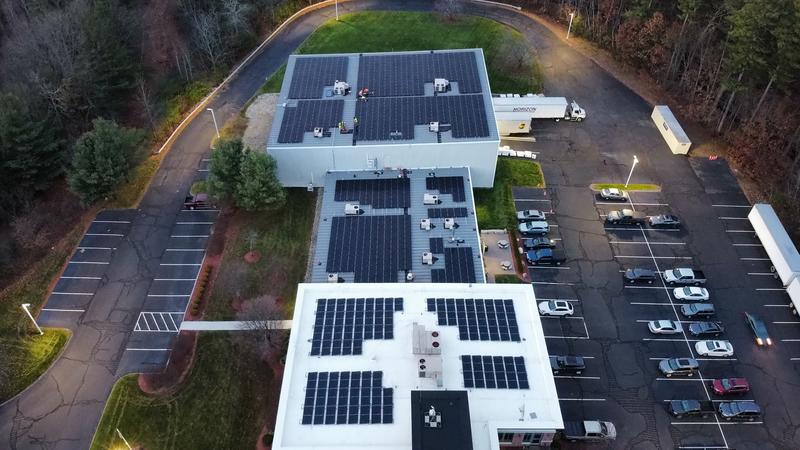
759 329
556 308
741 410
664 221
614 194
678 366
664 327
567 364
530 214
697 310
706 328
589 431
534 228
537 243
545 256
693 293
714 348
725 386
197 201
691 408
684 276
639 275
626 217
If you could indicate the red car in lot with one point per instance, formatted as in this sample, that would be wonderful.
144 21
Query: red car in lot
725 386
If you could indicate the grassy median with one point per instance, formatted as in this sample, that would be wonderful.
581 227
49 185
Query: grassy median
495 206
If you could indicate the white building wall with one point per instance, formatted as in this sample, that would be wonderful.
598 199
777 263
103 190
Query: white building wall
299 166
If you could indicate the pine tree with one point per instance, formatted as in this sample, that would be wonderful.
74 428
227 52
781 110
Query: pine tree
224 169
258 187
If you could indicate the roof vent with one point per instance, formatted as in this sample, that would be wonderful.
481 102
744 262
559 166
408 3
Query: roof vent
352 210
410 277
433 418
333 278
318 132
341 88
450 223
440 84
431 199
434 127
427 258
425 224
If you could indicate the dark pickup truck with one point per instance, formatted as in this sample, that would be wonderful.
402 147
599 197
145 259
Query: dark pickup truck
589 430
691 408
567 364
626 217
545 256
197 201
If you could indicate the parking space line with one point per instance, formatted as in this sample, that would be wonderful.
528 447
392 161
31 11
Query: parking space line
645 243
641 287
552 282
669 340
559 317
549 267
650 304
790 340
88 262
194 223
168 295
629 203
754 259
566 337
794 359
104 234
652 257
111 221
700 447
173 279
72 293
716 423
190 236
581 399
738 399
763 274
196 210
770 289
185 250
202 170
134 349
740 231
643 229
180 264
679 321
732 206
777 306
81 278
573 300
532 200
747 245
64 310
732 218
577 377
699 359
96 248
786 323
684 379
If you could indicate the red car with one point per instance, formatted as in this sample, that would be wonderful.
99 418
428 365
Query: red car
725 386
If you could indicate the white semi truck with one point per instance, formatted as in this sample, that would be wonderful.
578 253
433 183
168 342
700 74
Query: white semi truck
779 247
514 112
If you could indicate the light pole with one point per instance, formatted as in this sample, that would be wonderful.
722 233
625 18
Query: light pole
25 307
214 117
119 433
337 10
569 28
635 162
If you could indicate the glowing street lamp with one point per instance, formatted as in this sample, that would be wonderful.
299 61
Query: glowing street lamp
25 307
569 28
635 162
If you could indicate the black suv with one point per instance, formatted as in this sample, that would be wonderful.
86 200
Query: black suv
691 408
545 256
739 410
567 364
640 275
706 328
537 243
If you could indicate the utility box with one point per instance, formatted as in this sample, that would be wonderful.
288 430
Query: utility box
671 130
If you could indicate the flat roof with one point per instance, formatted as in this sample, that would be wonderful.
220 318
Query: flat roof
401 103
385 241
351 379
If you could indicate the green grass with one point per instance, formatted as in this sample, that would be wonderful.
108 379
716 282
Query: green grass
631 187
495 206
508 279
404 31
29 357
198 187
273 84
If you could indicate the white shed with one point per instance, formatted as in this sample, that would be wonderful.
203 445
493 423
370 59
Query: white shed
671 130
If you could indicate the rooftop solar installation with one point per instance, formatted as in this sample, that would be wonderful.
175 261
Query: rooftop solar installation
478 319
439 213
378 193
494 372
459 266
448 185
344 398
341 325
436 245
406 74
307 115
311 75
375 248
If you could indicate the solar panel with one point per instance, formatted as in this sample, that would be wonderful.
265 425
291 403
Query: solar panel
448 185
312 74
394 118
459 266
342 398
341 325
374 248
380 193
494 372
436 245
439 213
307 115
401 75
478 319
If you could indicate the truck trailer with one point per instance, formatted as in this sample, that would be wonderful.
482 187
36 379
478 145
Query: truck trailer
514 112
776 241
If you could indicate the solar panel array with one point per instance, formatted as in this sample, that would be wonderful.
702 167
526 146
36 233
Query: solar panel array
494 372
341 325
380 193
458 266
396 75
478 319
312 74
394 118
374 248
341 398
307 115
448 185
439 213
436 245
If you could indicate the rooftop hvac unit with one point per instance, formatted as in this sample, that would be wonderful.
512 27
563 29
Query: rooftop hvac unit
341 88
427 258
352 210
333 278
449 223
425 224
430 199
440 84
434 127
318 132
410 277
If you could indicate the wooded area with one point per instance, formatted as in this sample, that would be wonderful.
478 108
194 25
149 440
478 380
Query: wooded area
733 63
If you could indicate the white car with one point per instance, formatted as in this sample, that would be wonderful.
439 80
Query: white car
664 327
613 194
693 293
530 214
714 348
556 308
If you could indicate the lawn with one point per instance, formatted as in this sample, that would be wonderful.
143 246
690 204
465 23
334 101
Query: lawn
28 357
402 31
495 206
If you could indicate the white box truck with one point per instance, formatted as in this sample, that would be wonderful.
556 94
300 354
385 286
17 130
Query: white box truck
514 112
776 241
671 130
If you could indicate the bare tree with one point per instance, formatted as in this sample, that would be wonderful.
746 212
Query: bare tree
514 54
145 97
449 9
260 337
236 14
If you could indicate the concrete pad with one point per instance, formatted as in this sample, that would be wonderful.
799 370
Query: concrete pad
495 255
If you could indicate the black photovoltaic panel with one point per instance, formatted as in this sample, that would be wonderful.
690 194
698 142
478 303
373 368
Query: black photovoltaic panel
437 245
381 119
478 319
374 248
399 75
307 115
458 266
346 398
341 325
439 213
312 74
447 185
380 193
494 372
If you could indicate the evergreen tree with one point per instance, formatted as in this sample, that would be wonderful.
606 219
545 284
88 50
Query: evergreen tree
103 157
224 169
258 187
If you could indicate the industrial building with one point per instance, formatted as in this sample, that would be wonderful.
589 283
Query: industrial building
372 111
393 366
